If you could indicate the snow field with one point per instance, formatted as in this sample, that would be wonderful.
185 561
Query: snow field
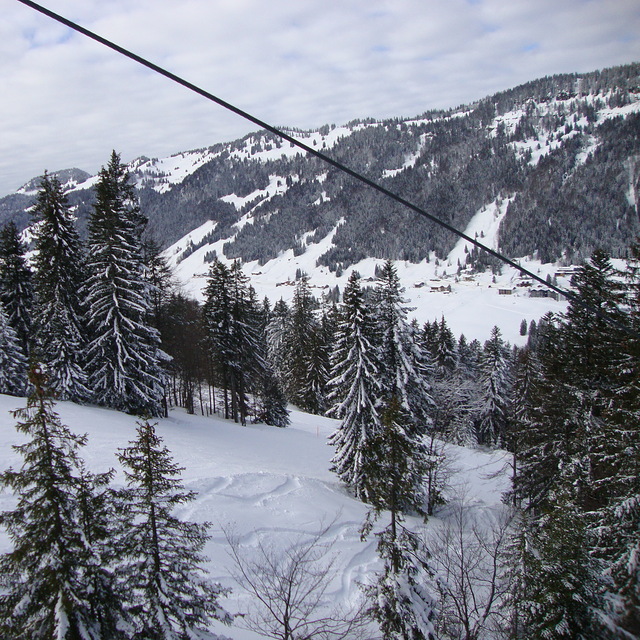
262 483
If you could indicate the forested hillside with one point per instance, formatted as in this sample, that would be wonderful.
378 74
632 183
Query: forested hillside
564 149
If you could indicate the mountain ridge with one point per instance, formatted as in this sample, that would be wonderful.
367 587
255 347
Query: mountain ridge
558 157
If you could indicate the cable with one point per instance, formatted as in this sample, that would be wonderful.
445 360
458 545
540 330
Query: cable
338 165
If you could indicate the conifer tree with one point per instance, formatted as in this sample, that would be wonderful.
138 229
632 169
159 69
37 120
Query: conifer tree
318 363
571 463
454 387
272 404
354 389
169 598
231 319
124 358
276 331
16 284
218 320
58 315
562 598
13 364
402 598
159 276
495 371
618 452
403 364
526 377
248 364
183 339
47 576
444 354
273 408
301 341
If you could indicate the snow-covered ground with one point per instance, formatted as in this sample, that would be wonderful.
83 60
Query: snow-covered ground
473 306
266 483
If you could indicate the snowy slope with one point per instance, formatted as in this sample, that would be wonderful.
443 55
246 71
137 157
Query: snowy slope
266 483
472 307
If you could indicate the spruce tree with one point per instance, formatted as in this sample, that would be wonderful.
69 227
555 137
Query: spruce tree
272 404
48 587
58 315
169 597
354 389
301 344
618 451
403 364
495 375
526 377
13 363
102 518
218 320
233 334
444 353
276 331
16 284
562 596
571 477
402 598
124 358
318 363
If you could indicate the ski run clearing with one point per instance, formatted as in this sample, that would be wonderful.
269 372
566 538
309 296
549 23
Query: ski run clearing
264 483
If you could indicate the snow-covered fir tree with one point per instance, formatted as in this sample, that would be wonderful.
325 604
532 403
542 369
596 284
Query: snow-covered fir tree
302 344
562 584
454 385
218 313
169 597
445 357
495 381
402 598
124 357
573 472
525 378
318 361
233 334
271 404
354 389
101 520
58 315
47 577
617 453
404 366
16 284
13 363
276 331
546 440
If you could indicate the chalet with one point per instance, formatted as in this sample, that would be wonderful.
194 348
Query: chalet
566 272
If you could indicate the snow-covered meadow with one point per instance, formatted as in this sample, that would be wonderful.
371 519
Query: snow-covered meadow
266 484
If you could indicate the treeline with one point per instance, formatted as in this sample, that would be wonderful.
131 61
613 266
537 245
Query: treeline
566 407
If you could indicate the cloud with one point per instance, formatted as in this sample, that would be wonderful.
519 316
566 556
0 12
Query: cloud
67 101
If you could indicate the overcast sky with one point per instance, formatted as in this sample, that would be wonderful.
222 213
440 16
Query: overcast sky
66 101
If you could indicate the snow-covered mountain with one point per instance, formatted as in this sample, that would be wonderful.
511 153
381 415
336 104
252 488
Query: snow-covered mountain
545 172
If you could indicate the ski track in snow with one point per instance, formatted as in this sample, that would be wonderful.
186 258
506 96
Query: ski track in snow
267 485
